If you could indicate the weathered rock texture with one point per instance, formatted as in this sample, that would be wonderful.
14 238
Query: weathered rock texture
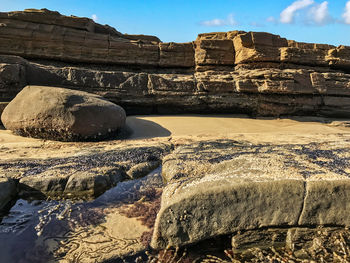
62 114
47 34
85 173
221 187
236 72
290 244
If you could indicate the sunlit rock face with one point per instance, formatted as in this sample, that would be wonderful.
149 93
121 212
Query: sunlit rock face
230 72
221 187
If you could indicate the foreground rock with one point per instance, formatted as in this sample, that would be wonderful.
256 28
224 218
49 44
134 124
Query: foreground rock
62 114
76 170
296 239
263 165
221 187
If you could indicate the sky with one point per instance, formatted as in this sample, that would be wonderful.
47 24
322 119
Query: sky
312 21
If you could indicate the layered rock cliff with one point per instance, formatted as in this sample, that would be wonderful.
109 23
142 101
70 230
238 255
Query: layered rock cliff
235 72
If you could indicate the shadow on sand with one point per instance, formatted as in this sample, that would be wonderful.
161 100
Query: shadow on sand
144 129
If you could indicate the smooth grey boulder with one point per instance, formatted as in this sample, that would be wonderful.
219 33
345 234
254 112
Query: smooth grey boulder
62 114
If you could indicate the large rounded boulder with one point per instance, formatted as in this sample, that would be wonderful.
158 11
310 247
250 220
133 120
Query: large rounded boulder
62 114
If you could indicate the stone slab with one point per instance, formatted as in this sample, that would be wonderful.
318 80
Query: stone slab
220 187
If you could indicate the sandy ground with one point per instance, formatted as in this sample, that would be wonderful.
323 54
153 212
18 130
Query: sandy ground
182 129
226 125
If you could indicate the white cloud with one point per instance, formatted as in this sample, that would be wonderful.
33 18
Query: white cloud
308 12
214 22
287 15
271 19
319 13
346 14
229 21
94 17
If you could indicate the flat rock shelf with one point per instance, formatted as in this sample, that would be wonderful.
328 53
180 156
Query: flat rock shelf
221 187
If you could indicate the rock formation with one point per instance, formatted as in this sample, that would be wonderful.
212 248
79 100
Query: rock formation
236 72
85 172
222 187
62 114
234 186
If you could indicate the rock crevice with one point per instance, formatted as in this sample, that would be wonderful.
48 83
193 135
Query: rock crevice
303 204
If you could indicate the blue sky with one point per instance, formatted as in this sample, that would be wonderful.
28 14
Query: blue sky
181 20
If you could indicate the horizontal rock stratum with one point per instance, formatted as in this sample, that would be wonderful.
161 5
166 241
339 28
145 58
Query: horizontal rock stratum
234 72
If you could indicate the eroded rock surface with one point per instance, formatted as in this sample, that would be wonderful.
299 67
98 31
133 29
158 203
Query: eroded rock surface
83 174
259 182
231 72
46 34
293 244
220 187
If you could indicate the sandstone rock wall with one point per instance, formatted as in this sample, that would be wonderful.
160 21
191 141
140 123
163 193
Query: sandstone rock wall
236 72
48 35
